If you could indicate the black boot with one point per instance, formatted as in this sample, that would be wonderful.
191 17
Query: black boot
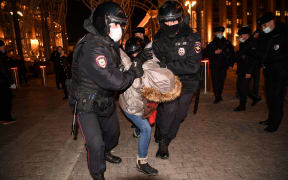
111 158
98 176
255 101
217 99
163 152
266 122
143 166
270 129
240 108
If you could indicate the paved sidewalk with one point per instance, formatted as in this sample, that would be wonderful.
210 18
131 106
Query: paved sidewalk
215 144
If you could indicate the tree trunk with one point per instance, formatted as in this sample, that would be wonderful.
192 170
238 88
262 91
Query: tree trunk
17 29
45 30
64 37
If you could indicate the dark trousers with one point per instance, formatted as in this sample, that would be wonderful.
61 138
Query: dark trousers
62 81
275 83
218 77
170 115
256 81
100 134
5 103
243 89
57 75
22 78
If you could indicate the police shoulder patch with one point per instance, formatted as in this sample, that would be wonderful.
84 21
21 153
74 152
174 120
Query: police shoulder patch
101 61
197 47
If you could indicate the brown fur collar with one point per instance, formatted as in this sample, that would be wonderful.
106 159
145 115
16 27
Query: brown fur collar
155 96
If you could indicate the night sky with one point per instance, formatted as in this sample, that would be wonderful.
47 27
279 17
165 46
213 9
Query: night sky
78 12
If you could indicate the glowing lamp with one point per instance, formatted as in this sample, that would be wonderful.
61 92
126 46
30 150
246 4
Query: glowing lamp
34 44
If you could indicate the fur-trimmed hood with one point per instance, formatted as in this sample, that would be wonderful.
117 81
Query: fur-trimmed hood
154 95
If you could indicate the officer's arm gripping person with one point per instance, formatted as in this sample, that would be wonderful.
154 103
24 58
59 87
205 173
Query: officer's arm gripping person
96 75
179 49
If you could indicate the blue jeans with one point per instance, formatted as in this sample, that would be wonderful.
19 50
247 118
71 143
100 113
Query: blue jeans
145 133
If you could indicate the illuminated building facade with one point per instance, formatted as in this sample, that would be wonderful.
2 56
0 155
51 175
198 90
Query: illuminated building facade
30 28
231 14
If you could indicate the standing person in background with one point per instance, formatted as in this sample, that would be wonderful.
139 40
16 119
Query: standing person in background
64 71
179 49
220 53
246 63
273 50
21 70
5 91
54 58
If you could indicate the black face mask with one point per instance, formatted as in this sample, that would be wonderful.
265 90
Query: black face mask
171 30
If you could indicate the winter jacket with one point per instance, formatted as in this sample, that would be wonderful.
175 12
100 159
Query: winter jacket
156 85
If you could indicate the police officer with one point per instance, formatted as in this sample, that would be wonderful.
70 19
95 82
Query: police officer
220 53
179 49
246 63
96 76
273 49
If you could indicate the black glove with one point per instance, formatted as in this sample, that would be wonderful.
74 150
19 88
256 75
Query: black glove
162 64
145 54
136 69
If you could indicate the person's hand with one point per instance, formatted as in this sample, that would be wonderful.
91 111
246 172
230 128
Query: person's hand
162 64
218 51
136 69
247 76
145 54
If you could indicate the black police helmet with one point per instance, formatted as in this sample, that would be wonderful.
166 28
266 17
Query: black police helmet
170 11
268 16
133 45
106 13
244 30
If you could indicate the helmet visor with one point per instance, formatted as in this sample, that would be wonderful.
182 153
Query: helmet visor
170 17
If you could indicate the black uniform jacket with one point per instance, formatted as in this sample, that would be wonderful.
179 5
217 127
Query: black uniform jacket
222 60
99 60
96 73
273 50
273 47
181 54
246 57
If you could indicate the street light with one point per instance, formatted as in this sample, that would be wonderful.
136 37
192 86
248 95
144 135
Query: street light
190 5
18 12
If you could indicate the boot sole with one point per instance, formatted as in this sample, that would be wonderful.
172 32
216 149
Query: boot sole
140 170
164 158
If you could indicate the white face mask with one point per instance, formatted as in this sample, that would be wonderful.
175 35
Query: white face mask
242 40
267 30
115 34
219 35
